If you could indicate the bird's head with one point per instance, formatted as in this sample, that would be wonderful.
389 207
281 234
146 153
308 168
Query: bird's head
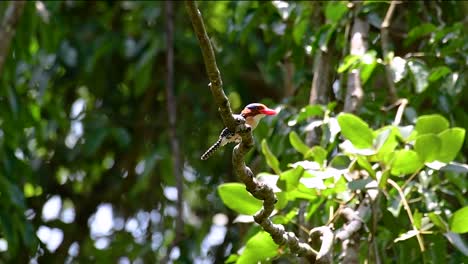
254 112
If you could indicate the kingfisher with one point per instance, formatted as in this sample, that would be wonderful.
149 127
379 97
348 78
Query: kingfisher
252 114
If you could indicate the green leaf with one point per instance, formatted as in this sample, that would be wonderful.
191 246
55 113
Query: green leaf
299 30
431 124
302 192
417 216
318 153
355 130
459 221
419 72
297 143
419 31
386 141
8 232
348 61
93 140
272 161
406 162
324 35
438 72
367 64
438 221
452 141
359 184
260 247
289 179
306 112
340 162
236 197
334 11
231 259
365 164
122 137
428 146
383 179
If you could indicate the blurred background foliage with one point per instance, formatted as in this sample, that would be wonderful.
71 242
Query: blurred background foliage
86 166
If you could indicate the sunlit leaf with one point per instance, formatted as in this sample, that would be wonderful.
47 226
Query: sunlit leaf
348 62
368 63
452 141
459 221
290 179
431 124
420 73
297 143
258 248
270 157
318 153
236 197
428 146
306 112
386 141
364 163
406 235
406 162
356 130
457 241
398 67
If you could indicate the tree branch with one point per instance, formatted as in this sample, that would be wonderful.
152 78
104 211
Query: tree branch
354 92
216 83
259 190
172 117
385 41
8 27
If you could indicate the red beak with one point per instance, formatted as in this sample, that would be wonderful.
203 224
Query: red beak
268 111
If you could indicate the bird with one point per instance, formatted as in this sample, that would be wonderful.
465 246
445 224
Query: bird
252 114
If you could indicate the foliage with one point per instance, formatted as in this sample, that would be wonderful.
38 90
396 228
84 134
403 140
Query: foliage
84 141
366 160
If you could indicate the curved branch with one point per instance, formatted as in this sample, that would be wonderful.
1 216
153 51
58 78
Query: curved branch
326 249
259 190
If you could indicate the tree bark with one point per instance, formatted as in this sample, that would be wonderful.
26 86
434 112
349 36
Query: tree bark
354 92
172 118
386 49
8 28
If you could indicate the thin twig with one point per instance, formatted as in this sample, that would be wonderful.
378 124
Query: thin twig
400 111
8 27
257 189
408 211
411 177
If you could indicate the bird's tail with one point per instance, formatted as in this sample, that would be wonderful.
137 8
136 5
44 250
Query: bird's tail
212 149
